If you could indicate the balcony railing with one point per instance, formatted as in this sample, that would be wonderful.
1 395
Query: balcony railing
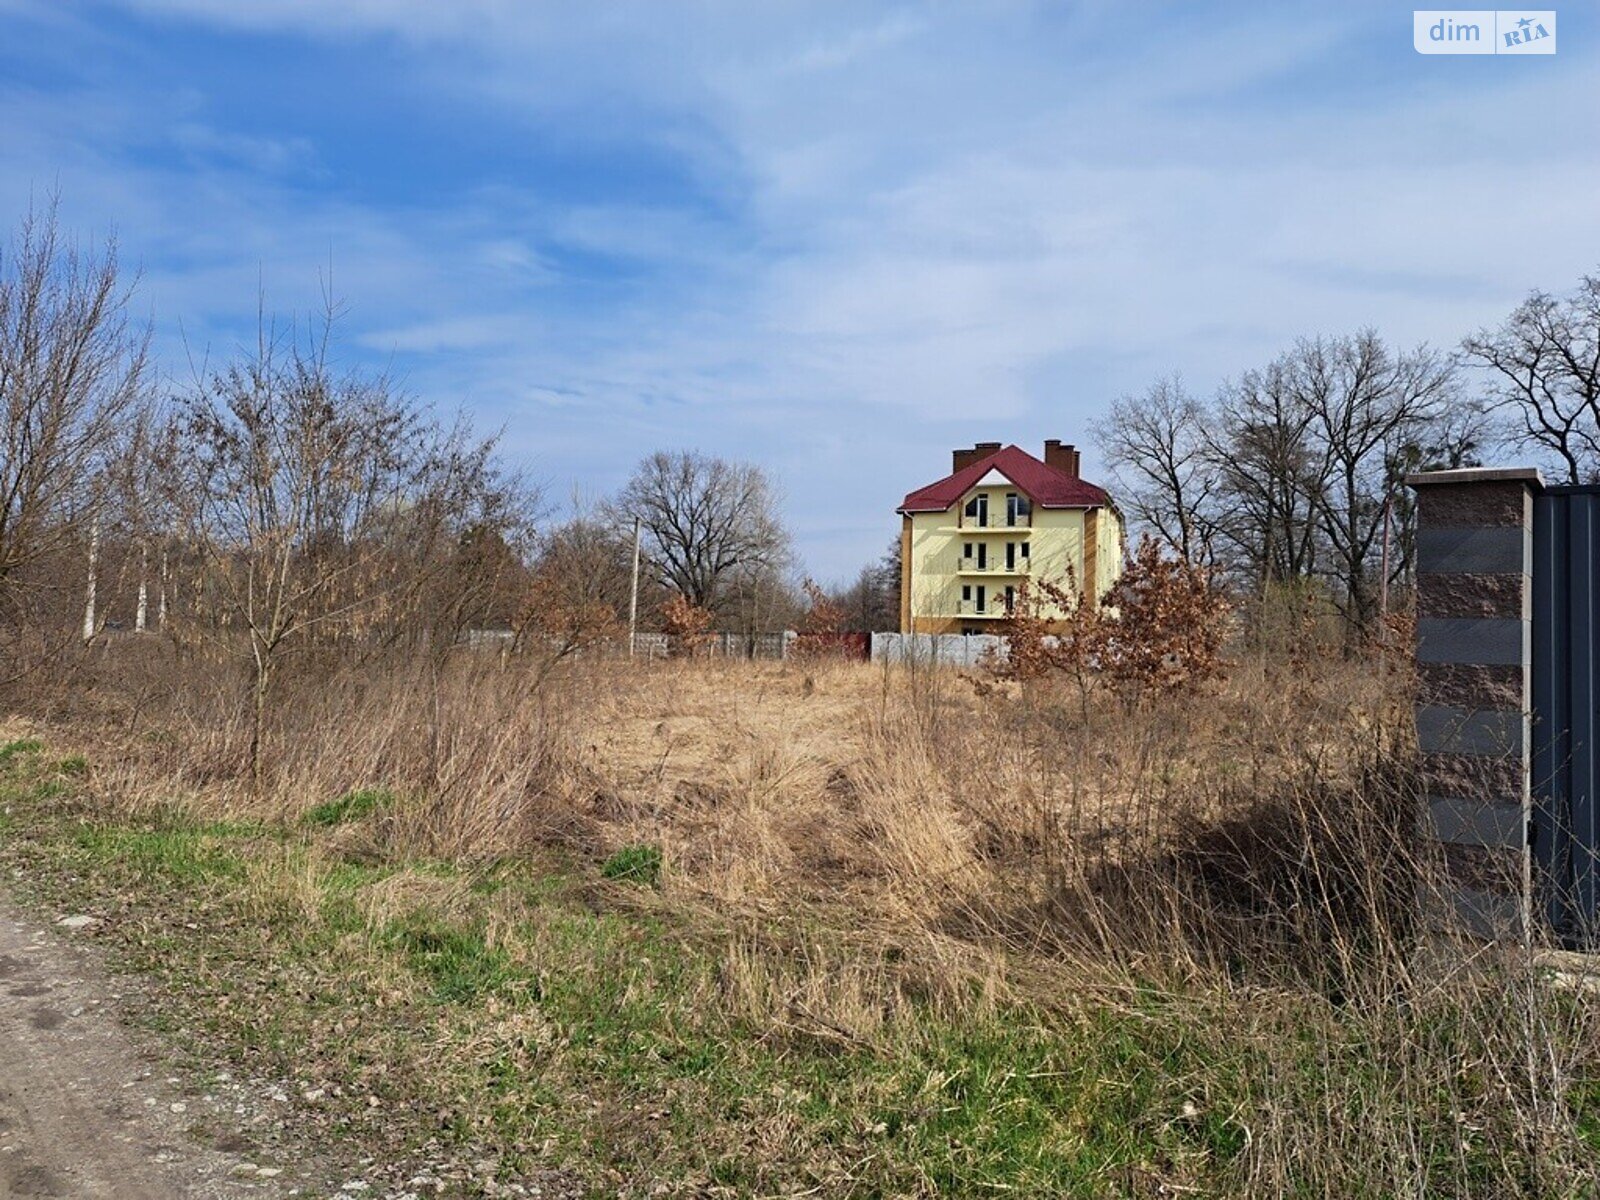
966 522
993 566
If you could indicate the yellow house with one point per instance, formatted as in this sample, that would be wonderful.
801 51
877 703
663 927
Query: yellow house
1000 517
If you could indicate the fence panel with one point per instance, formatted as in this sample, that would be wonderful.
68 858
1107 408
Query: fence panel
1508 712
1566 705
937 649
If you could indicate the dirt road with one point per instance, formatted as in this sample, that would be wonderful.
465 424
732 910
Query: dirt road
86 1109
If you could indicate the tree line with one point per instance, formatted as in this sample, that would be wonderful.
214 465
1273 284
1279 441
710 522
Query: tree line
275 502
273 506
274 493
1290 477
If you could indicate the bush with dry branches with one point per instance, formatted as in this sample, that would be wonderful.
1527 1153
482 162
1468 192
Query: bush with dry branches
554 621
686 624
1170 626
1159 631
822 614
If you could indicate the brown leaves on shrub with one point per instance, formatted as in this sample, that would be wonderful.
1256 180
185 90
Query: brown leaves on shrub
1158 631
1038 644
1169 627
560 618
686 623
823 616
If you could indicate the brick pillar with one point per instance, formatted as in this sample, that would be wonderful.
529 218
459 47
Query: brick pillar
1474 660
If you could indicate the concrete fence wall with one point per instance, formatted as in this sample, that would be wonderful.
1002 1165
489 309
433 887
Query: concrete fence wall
772 646
936 649
921 649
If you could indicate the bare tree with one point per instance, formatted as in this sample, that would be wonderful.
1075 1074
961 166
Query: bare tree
1271 475
863 606
1372 407
758 598
872 603
588 562
1544 362
708 523
144 502
1156 444
322 502
72 373
1456 437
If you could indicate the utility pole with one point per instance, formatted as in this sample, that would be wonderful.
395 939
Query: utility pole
89 626
633 595
1383 599
144 587
161 599
1383 580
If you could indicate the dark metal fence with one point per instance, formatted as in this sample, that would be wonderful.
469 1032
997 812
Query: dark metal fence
1566 707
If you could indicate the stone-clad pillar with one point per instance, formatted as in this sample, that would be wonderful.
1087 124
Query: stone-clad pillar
1474 662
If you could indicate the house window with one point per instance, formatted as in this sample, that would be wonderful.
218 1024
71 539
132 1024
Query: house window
1018 509
983 556
966 592
978 509
980 597
1024 549
1011 600
1011 556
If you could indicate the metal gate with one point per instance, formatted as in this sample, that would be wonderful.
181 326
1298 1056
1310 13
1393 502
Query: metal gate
1565 766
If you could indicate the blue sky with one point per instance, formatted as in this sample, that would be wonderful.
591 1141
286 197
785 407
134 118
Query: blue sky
836 239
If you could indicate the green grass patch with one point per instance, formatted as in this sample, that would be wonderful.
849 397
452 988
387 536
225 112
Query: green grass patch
172 855
456 960
634 864
18 749
352 806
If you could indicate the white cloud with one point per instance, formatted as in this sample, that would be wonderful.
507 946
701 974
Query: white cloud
828 54
266 155
414 19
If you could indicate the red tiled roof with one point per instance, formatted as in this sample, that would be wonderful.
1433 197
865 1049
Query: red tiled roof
1044 485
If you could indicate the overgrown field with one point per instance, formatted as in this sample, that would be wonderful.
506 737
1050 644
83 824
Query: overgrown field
737 929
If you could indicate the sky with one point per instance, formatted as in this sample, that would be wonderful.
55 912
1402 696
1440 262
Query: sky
833 239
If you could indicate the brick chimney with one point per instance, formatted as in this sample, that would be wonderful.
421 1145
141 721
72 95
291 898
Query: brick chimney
965 458
1062 458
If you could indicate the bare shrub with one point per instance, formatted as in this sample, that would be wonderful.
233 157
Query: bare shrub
322 504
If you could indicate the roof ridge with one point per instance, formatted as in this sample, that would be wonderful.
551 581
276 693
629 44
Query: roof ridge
1044 483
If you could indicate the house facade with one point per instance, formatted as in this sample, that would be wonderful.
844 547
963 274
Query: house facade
1001 517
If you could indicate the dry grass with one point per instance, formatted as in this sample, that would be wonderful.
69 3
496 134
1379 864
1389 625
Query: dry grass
884 865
